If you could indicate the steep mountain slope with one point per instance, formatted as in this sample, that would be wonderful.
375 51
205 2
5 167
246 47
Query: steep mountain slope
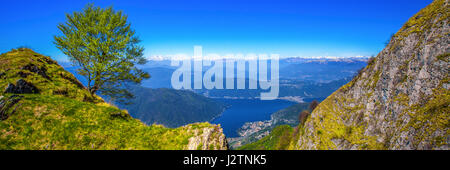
45 107
399 101
172 108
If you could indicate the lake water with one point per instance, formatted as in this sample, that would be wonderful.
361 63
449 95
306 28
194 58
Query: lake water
246 110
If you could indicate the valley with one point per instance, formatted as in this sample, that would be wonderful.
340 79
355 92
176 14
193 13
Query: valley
332 81
242 111
247 118
156 102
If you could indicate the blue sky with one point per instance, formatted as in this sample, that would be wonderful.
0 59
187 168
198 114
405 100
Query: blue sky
286 27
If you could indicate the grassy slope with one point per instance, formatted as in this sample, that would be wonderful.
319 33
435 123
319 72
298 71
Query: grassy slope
64 116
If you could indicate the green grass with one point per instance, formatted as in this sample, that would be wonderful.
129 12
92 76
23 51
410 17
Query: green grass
53 122
430 117
60 82
443 57
63 116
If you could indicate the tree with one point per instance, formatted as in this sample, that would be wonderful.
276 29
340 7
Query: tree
303 116
313 105
105 48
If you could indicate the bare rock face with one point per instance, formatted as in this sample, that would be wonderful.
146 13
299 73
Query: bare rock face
21 87
35 69
208 138
399 101
6 103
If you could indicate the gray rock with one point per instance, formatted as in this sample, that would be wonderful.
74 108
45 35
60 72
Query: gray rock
35 69
6 103
21 87
207 138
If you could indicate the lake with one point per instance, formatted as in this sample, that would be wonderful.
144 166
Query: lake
241 111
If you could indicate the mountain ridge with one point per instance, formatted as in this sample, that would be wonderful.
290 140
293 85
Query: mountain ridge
399 101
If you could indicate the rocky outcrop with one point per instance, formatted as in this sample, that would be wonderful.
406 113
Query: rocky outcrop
399 101
21 87
207 138
8 105
35 69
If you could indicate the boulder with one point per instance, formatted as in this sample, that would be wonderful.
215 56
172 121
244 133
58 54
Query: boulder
6 103
21 87
35 69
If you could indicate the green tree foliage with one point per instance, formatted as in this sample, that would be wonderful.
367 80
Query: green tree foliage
102 43
313 105
303 116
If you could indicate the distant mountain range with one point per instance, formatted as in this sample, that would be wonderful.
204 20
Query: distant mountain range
290 89
321 71
308 69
